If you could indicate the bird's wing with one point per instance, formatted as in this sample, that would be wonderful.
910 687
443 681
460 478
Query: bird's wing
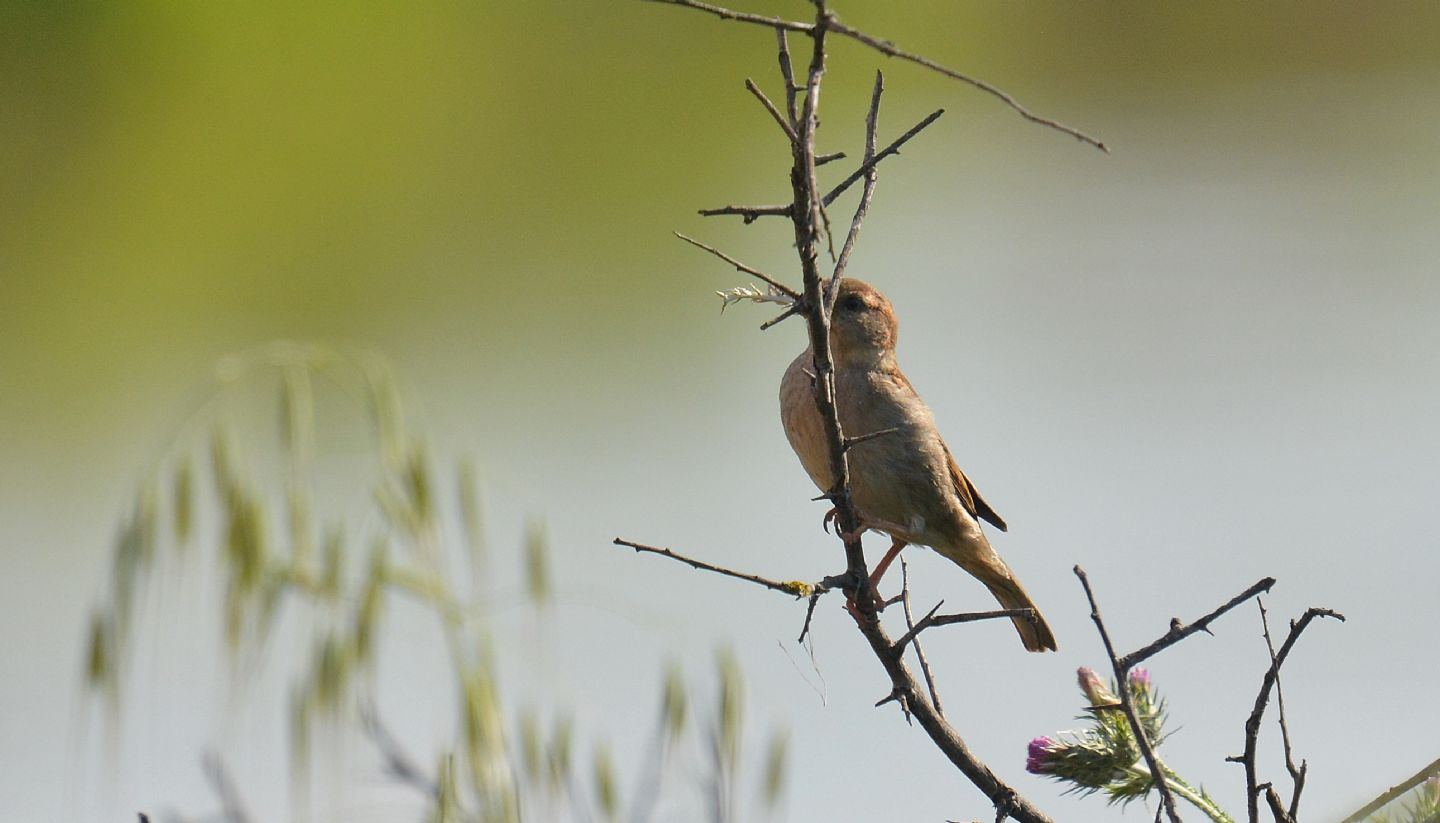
964 489
970 496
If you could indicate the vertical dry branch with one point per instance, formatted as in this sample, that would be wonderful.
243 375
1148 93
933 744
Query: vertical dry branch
807 212
806 219
806 215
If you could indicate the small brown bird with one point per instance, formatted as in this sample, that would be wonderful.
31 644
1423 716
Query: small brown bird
904 483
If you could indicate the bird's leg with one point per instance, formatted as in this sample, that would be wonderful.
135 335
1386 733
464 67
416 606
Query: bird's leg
896 545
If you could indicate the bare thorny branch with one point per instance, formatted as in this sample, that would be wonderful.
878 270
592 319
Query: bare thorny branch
798 120
792 588
808 216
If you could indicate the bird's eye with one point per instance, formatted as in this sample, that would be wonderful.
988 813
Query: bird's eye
852 302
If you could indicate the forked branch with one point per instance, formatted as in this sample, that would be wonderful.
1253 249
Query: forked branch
1252 724
1179 631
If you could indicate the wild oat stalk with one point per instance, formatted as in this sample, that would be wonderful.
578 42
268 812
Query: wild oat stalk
276 551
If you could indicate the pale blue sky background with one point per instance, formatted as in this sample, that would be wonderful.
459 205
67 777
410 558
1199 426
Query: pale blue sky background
1209 357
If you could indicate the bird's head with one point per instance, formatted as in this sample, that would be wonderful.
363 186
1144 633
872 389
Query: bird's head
862 327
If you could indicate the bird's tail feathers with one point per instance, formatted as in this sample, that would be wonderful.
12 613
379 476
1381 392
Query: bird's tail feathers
1036 634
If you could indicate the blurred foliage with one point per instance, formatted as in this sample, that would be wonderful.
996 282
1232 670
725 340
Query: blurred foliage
501 765
193 175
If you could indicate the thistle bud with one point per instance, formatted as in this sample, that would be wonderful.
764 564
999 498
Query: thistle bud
1098 693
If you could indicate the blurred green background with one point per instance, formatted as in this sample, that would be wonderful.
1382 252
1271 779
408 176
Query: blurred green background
1210 356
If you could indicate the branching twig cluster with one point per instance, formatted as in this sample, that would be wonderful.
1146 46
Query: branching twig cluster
829 22
810 219
797 118
1122 666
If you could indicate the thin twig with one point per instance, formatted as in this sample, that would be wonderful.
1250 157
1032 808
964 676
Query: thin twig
770 107
1252 723
809 614
889 49
1432 770
971 617
781 287
749 213
852 442
740 16
804 156
825 222
1179 631
752 213
822 159
831 583
787 75
792 588
798 308
866 193
933 619
871 162
919 650
914 629
1122 682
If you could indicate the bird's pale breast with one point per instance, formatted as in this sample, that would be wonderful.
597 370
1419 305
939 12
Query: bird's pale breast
900 481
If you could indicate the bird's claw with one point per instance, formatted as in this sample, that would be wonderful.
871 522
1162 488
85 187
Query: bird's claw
832 518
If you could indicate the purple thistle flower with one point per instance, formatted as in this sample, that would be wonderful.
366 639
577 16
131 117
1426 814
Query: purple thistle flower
1140 678
1039 753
